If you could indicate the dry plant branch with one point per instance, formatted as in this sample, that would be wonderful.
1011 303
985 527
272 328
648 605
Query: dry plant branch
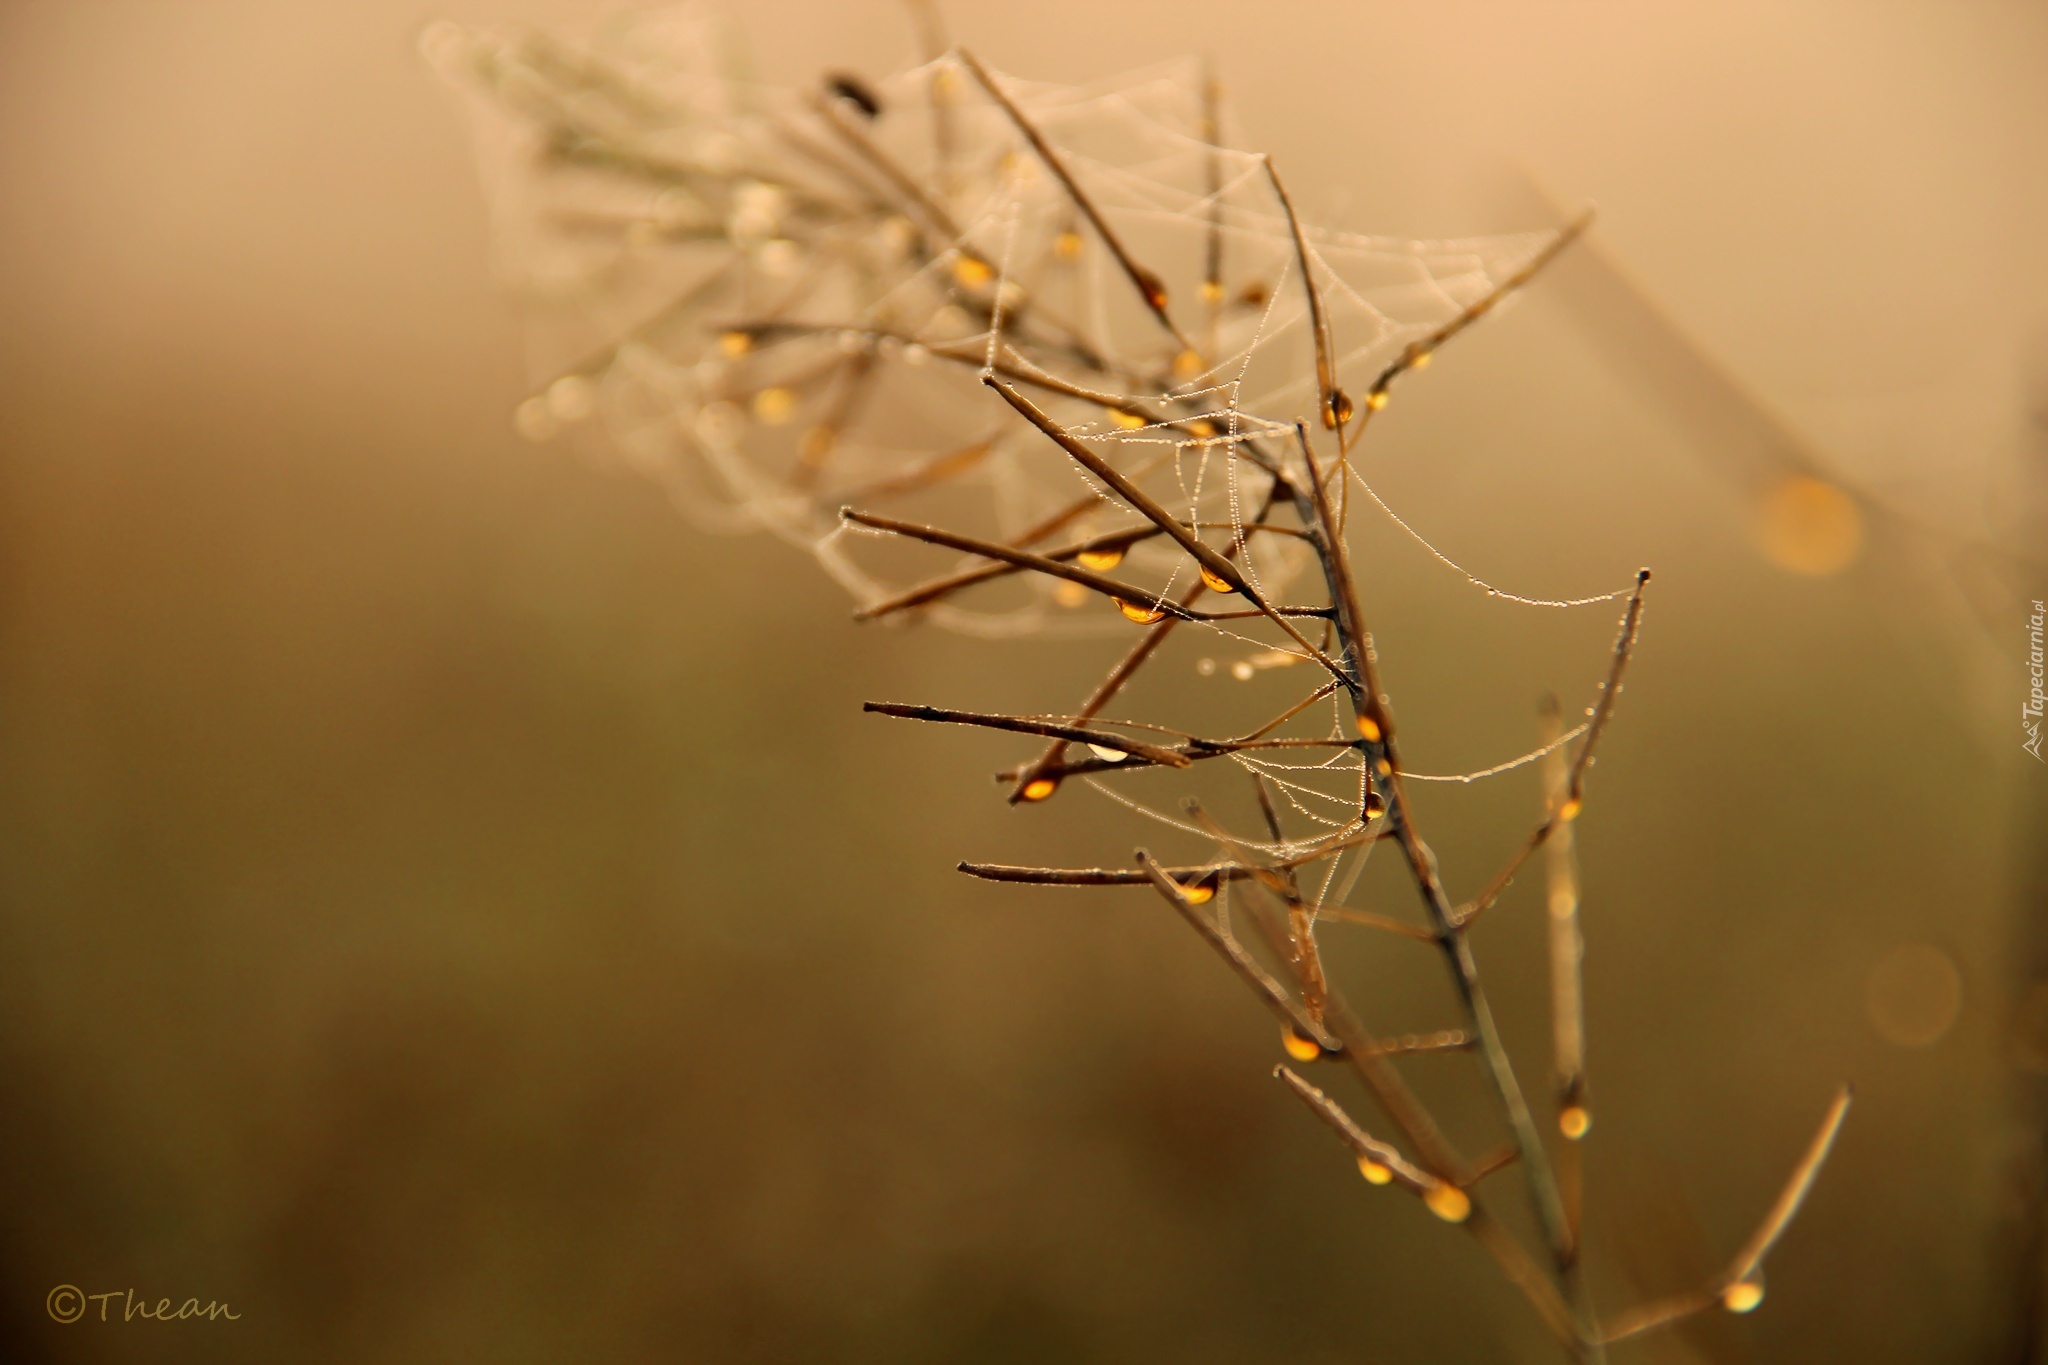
847 257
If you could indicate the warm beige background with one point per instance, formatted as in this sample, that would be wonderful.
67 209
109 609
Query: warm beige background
451 911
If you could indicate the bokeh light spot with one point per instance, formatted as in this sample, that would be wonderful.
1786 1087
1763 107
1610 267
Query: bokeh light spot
1809 526
1913 995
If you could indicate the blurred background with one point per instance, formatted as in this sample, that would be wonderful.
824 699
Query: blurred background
452 910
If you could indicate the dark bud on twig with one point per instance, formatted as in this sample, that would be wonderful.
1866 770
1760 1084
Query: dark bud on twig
856 93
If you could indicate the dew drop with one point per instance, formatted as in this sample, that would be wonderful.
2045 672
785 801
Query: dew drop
1369 728
1376 1173
1214 582
1100 561
1107 754
1449 1203
1420 360
1299 1045
1038 788
1376 400
1212 291
1129 421
1742 1297
1242 671
1375 805
1340 409
735 343
1143 615
1573 1121
1198 892
972 271
1187 364
1570 809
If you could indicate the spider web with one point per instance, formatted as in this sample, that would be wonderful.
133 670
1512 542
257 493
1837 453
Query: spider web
760 319
778 303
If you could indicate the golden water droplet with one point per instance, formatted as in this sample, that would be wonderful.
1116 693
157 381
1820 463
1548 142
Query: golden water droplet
1570 809
1143 615
1375 805
774 406
1129 421
1420 360
1376 400
1201 429
1070 594
818 443
1809 526
1215 583
1102 560
735 343
1038 788
1449 1203
1212 291
1299 1045
1742 1297
1187 364
1198 892
1107 754
1242 670
1339 410
972 271
1573 1121
1067 245
1374 1171
1369 728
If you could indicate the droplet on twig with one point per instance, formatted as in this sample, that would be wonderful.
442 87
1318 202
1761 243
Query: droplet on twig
1101 561
1133 611
1448 1202
1573 1121
1742 1297
1375 1172
1299 1045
